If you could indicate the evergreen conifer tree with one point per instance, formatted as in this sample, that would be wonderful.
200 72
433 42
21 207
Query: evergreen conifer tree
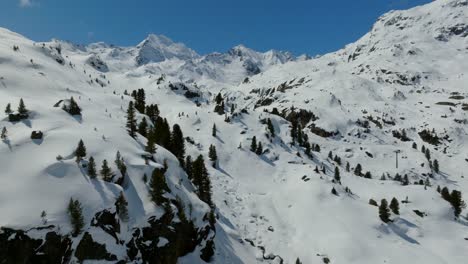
337 175
253 145
106 172
150 146
80 151
271 128
384 212
4 134
395 206
131 121
178 143
457 202
435 165
92 168
347 167
143 127
202 181
259 149
358 170
8 109
212 153
121 206
158 187
213 130
75 211
22 110
445 193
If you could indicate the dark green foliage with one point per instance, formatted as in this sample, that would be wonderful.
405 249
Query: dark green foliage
347 167
271 128
435 166
161 134
92 168
423 149
428 154
330 155
337 175
106 172
358 170
4 134
259 149
384 212
120 163
253 145
457 202
158 187
75 211
177 143
212 153
131 121
415 146
219 98
143 127
405 180
317 148
121 205
337 160
22 110
188 166
8 109
333 191
80 151
445 193
72 108
213 130
298 261
208 251
307 150
395 206
150 145
368 175
373 202
140 98
202 180
152 111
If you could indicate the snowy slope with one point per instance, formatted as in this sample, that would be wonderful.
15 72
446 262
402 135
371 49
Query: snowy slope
408 72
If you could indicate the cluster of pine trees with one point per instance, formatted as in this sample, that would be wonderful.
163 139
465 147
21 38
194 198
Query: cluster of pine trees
72 107
454 198
219 108
75 212
256 147
23 112
384 208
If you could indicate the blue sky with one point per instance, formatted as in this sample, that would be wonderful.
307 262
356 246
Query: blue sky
299 26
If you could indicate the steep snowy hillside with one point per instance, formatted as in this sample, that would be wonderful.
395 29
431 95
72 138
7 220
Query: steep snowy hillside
297 154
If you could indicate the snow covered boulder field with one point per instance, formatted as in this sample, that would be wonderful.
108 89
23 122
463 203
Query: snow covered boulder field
157 154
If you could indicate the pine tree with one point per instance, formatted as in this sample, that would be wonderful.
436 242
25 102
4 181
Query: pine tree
106 172
158 187
428 154
423 149
347 167
457 202
307 149
330 155
337 175
219 98
121 205
72 108
394 206
140 103
438 189
120 163
188 166
212 153
368 175
445 193
22 110
358 170
317 148
435 165
213 130
271 128
405 180
131 121
253 145
150 146
4 134
80 151
316 169
177 143
75 211
143 127
92 168
8 109
259 149
384 212
298 261
202 180
333 191
208 251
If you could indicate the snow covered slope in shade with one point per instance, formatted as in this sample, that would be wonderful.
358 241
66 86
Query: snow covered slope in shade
273 207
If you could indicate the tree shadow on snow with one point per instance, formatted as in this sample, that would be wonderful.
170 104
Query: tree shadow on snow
78 118
8 143
223 171
38 141
401 232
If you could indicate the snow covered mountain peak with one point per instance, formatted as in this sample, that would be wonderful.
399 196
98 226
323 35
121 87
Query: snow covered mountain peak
158 48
